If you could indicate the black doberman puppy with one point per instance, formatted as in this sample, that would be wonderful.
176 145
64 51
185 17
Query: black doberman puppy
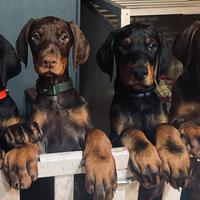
139 120
9 67
59 111
185 107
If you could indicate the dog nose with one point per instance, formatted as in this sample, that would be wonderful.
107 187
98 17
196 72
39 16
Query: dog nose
139 73
49 62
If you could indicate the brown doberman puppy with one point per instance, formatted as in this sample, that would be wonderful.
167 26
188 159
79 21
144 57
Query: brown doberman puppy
9 67
139 119
185 107
59 111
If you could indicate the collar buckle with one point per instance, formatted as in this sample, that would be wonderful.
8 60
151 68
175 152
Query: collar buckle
55 89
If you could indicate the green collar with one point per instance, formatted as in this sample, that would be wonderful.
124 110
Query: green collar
54 90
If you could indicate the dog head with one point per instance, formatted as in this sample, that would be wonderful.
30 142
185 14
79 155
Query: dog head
140 52
50 40
187 48
9 63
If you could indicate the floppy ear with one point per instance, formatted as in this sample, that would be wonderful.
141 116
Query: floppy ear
22 42
183 42
165 57
9 63
81 47
105 56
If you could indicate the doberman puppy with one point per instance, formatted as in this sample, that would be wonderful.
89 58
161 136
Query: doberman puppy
59 111
139 120
185 107
9 67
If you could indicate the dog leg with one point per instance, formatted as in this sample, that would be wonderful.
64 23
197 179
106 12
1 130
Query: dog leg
174 156
20 134
190 133
2 154
101 177
144 159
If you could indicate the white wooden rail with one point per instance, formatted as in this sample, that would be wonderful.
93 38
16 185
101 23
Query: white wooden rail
125 9
64 165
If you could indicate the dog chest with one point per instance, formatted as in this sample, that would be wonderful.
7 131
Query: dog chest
62 131
144 114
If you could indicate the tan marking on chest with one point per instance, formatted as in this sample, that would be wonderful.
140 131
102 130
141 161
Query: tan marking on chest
155 120
80 116
119 125
40 118
163 118
188 108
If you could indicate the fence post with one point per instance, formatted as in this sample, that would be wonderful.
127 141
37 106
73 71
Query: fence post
64 187
6 193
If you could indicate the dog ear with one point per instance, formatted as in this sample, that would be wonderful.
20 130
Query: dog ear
165 57
105 56
183 42
9 63
81 46
22 42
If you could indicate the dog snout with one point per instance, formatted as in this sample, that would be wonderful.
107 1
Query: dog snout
139 73
49 61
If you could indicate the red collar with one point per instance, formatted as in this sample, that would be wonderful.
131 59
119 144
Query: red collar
3 94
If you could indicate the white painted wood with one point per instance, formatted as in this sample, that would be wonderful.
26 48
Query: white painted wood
173 6
127 191
64 165
165 11
171 193
6 193
125 17
64 187
124 9
68 163
57 164
126 4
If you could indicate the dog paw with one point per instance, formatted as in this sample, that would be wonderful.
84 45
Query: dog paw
101 177
20 166
145 164
144 159
20 134
190 133
174 155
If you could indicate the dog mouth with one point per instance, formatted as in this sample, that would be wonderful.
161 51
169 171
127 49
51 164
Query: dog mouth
142 77
139 85
136 84
48 74
49 71
142 87
44 71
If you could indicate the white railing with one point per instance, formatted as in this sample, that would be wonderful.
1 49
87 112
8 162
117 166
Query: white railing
64 165
125 9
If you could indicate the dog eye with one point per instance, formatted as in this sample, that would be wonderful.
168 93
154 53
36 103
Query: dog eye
36 36
123 46
64 38
152 47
